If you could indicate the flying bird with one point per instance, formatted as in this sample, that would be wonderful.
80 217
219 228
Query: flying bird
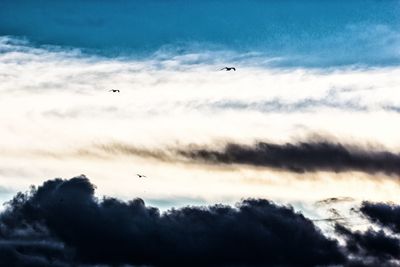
228 68
141 175
114 90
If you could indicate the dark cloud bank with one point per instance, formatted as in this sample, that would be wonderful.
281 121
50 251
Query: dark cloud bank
299 157
302 157
62 223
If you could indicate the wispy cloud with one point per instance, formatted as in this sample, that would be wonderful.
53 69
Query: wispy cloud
57 114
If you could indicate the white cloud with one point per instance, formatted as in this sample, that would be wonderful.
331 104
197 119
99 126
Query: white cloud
57 102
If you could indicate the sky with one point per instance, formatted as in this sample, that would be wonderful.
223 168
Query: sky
309 120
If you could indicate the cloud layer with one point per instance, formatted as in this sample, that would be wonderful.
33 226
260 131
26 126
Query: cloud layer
55 107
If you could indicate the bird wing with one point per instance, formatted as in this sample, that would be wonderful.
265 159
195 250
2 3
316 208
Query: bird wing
225 68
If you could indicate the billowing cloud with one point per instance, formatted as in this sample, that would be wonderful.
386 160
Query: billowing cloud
62 223
108 231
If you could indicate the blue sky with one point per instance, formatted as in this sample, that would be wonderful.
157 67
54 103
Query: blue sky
303 33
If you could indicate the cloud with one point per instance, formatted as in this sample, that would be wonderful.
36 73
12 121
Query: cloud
386 215
302 157
108 231
371 247
32 253
62 223
163 94
375 247
330 100
334 200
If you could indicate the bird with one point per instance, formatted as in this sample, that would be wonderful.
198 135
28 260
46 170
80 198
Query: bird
228 68
141 175
114 90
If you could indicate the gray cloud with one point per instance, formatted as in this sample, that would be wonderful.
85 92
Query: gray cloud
277 105
302 157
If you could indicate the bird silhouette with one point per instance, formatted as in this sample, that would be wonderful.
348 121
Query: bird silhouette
114 90
141 175
228 68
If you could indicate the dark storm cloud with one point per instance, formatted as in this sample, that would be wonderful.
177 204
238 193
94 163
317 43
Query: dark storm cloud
62 223
31 253
370 246
109 231
27 244
386 215
375 247
302 157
